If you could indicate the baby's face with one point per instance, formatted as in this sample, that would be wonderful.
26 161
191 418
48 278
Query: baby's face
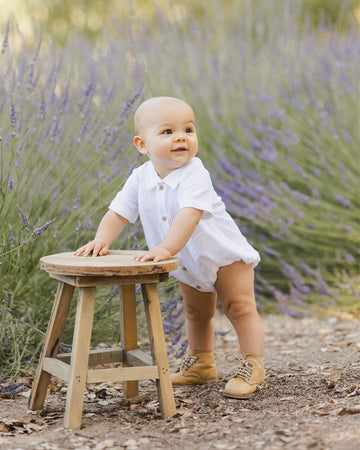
167 135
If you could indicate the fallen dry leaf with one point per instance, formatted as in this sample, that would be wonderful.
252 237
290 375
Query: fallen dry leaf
322 412
187 401
237 419
184 413
333 378
130 443
338 411
108 443
11 427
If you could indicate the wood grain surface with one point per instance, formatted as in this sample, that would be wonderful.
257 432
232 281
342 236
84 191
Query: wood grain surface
116 262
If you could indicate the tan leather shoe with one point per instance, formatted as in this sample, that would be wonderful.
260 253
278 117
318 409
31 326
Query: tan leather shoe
196 368
246 376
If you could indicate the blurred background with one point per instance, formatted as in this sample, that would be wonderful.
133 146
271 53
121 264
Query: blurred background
275 89
60 19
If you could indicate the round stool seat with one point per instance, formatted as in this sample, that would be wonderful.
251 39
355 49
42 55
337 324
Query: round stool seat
116 262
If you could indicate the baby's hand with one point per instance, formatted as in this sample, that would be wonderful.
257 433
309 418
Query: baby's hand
98 247
156 254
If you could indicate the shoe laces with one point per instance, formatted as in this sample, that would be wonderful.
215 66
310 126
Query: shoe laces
186 363
243 368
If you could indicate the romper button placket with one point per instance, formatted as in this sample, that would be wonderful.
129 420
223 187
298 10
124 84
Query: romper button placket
161 188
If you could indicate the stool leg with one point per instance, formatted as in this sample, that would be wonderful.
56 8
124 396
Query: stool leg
80 357
55 329
128 330
158 347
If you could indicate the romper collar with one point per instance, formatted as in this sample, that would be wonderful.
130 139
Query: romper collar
153 179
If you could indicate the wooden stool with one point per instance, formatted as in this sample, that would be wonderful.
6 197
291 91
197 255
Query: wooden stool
116 268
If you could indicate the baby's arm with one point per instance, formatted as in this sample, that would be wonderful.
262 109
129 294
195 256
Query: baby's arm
179 233
109 229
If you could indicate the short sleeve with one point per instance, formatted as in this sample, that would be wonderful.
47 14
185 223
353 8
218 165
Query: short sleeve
126 201
196 190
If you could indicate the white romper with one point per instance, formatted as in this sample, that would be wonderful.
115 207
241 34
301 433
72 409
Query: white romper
216 241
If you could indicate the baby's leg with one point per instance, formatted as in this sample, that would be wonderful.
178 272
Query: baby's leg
199 311
235 286
199 365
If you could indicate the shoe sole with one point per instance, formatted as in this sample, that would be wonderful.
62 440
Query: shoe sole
195 383
239 396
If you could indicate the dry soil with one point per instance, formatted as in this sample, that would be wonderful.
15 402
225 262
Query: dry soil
310 400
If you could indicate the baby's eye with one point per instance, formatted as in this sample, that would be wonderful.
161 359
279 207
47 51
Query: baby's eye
168 131
189 130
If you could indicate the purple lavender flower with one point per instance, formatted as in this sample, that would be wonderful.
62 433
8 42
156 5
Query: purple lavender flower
87 224
176 339
297 105
11 237
55 128
6 39
13 115
270 251
183 348
89 88
64 349
77 199
84 128
10 185
130 170
323 288
24 218
39 231
42 108
222 333
65 98
12 389
344 201
303 198
269 156
264 98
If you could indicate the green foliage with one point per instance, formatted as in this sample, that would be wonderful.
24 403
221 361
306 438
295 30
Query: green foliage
277 118
64 149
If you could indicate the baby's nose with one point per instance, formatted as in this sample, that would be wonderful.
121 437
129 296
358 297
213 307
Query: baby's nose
180 137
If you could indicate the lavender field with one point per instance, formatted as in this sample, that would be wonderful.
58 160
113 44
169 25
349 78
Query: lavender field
277 107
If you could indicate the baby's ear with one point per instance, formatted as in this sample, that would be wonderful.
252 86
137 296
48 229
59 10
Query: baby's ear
140 145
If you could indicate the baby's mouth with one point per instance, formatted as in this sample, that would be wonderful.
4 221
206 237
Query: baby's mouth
180 149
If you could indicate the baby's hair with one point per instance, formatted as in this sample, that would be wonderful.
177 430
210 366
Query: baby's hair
149 103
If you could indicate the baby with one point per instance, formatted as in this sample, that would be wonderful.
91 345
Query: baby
182 215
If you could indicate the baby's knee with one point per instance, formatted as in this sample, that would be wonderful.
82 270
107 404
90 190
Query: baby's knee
239 308
197 315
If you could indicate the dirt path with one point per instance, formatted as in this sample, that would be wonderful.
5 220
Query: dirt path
310 400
